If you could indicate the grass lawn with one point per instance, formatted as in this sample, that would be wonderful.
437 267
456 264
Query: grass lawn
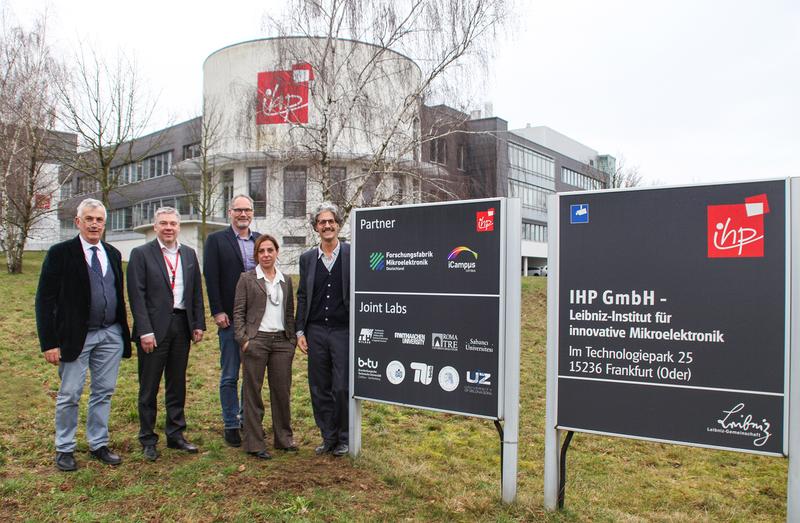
415 465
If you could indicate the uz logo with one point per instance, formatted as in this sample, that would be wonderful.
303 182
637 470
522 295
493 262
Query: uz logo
368 363
422 373
479 377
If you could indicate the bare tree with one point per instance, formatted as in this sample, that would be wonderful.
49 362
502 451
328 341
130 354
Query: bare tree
27 142
354 86
625 175
105 105
201 175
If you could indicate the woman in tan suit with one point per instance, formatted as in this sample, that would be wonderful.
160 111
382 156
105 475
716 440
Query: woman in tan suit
263 321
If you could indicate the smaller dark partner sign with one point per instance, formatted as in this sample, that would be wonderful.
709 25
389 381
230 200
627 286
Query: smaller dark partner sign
427 306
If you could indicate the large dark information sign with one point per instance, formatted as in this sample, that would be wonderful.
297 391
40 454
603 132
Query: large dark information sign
672 315
427 306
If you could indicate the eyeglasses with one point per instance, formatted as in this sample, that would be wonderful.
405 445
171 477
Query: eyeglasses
326 222
241 211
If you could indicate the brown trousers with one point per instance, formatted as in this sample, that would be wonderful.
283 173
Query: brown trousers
271 351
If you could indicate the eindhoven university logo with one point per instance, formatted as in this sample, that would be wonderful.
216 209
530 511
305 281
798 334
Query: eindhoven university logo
737 230
377 261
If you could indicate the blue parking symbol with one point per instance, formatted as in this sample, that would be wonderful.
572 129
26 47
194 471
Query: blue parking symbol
579 213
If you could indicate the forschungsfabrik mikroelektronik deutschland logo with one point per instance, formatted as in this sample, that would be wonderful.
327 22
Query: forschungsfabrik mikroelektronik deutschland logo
377 261
462 258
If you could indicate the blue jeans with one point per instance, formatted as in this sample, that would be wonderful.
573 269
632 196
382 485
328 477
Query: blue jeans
229 362
101 354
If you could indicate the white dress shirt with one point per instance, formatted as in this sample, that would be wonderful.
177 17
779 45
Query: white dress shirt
177 264
328 262
272 321
101 254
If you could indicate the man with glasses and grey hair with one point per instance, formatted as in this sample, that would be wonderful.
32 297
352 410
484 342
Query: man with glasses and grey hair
323 316
227 254
82 326
166 296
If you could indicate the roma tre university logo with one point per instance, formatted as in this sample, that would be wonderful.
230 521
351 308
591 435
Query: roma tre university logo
737 230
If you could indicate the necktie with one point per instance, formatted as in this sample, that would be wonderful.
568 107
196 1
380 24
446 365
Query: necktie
96 261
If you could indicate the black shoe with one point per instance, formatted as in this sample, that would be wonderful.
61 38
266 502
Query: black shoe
233 437
261 454
181 444
150 452
65 462
325 448
106 456
290 448
341 450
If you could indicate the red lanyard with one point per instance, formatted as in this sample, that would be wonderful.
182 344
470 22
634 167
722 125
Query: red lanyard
171 268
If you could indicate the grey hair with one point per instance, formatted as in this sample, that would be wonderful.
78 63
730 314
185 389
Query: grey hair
89 204
230 203
166 210
326 207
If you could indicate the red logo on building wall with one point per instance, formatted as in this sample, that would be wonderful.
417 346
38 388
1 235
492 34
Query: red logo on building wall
283 95
42 201
737 231
484 221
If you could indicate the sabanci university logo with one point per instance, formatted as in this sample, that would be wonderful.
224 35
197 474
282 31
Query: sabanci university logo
737 230
377 261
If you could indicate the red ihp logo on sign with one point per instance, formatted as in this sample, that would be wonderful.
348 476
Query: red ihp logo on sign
484 220
737 230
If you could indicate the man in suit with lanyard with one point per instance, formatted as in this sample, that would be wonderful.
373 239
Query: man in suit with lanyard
227 254
82 325
323 316
166 297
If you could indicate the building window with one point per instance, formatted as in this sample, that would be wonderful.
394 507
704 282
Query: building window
534 232
528 166
87 185
66 190
294 192
370 189
461 157
580 180
338 187
439 151
120 219
399 188
294 241
532 197
257 189
226 188
191 150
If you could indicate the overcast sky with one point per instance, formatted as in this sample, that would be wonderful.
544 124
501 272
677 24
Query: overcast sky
687 91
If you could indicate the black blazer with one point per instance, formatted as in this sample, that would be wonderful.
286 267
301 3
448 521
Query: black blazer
305 289
222 266
62 299
150 291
